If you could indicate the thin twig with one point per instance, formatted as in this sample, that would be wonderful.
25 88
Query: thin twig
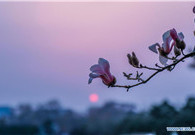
158 65
182 52
168 67
150 68
138 76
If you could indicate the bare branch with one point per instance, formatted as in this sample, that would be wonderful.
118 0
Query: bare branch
141 66
158 70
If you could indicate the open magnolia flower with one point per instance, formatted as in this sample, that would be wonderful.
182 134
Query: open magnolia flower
102 71
170 39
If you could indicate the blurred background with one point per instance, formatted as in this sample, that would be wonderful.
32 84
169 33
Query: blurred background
47 48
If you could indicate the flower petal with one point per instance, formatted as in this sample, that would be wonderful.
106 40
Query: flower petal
92 76
97 69
173 34
181 36
90 80
153 48
165 36
104 64
163 60
166 40
166 45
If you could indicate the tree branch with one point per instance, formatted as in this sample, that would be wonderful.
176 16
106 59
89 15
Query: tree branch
158 70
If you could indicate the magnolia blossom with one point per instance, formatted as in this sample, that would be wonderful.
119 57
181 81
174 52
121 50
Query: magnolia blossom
102 71
178 38
170 39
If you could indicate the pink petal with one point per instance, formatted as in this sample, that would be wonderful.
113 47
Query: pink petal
166 41
163 60
90 80
165 36
181 36
106 67
153 48
173 34
97 69
104 64
166 45
92 76
105 79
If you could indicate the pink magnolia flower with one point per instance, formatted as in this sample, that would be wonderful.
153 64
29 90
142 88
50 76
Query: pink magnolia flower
102 71
168 43
175 36
178 38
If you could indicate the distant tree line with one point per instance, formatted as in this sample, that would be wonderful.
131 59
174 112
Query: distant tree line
110 119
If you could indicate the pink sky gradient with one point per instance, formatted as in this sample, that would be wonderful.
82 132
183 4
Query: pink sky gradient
46 50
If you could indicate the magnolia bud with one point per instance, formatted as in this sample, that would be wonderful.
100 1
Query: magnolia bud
177 51
135 60
180 44
129 59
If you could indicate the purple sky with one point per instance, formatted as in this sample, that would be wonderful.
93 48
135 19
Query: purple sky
46 50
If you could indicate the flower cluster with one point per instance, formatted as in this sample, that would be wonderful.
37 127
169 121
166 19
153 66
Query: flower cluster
172 42
171 39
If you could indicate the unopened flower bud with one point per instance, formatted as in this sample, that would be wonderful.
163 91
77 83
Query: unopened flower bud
133 60
180 44
129 59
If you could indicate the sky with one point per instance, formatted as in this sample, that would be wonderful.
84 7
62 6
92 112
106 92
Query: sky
47 48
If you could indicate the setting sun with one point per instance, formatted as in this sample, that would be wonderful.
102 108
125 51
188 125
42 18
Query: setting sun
93 98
